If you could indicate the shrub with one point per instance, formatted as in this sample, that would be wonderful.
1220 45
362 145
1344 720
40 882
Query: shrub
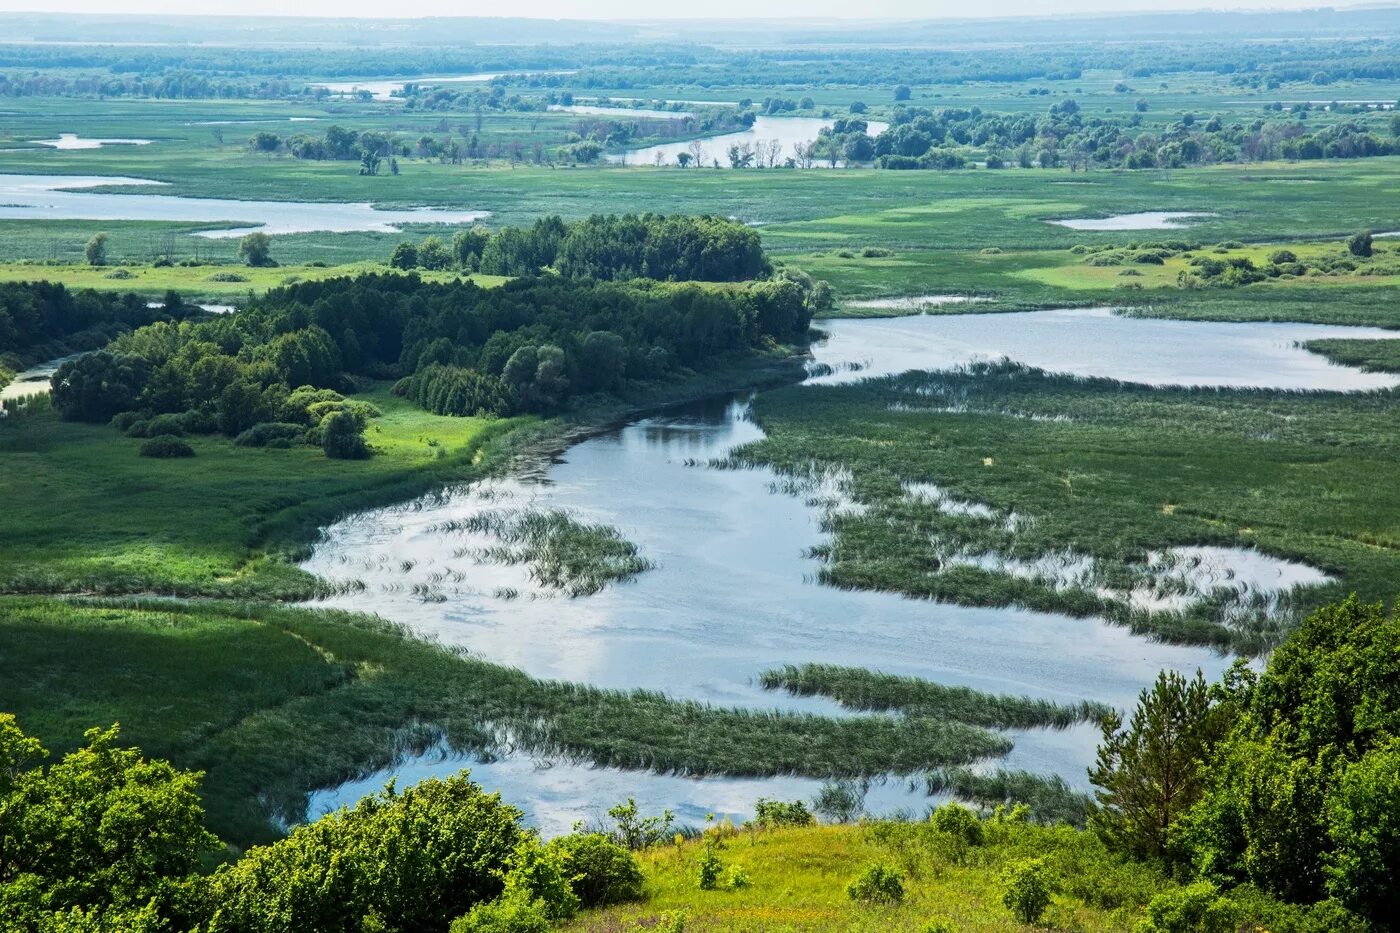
709 867
1281 257
415 858
1027 891
990 251
877 884
341 438
1360 244
506 915
876 252
958 821
600 871
166 447
536 875
938 926
276 434
773 813
227 277
737 879
120 274
1196 908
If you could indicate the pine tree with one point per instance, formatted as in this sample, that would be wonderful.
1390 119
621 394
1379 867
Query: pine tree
1149 773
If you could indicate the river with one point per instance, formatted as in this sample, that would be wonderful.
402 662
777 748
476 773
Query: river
733 590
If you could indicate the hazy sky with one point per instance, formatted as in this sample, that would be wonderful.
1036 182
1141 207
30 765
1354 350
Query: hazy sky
639 9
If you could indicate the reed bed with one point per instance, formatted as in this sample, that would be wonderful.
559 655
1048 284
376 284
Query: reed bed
859 689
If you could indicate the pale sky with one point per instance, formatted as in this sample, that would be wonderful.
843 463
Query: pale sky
642 9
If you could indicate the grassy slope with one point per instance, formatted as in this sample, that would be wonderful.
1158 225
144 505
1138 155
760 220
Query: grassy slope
799 879
86 513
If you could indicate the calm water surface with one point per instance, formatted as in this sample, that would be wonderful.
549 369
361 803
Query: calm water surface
1144 220
786 130
61 197
732 593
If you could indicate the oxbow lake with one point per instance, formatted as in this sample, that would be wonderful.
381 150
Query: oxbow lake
733 590
65 197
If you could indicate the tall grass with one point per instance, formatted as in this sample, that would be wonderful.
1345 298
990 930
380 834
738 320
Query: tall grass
563 553
860 689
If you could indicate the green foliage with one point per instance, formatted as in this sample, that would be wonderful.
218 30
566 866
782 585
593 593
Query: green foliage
1360 244
1363 810
102 838
702 249
255 249
771 814
405 256
1028 890
1148 773
505 915
342 437
96 250
414 860
737 879
877 883
452 390
1196 908
709 866
858 688
1302 794
959 822
166 447
276 434
540 875
600 871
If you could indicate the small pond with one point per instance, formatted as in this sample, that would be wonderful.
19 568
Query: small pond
1143 220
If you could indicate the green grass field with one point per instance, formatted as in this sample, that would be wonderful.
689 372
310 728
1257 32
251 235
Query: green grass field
214 524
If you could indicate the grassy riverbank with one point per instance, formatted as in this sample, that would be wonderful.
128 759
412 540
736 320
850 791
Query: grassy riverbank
1085 480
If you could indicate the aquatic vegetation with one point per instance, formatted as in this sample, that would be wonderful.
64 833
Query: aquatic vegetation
563 553
1205 516
277 701
860 689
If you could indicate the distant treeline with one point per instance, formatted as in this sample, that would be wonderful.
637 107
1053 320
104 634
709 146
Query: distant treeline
1064 135
232 71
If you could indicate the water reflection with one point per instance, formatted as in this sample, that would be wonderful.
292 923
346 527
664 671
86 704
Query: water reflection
60 197
733 590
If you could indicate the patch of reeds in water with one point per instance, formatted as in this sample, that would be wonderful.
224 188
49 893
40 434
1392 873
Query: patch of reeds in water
562 552
861 689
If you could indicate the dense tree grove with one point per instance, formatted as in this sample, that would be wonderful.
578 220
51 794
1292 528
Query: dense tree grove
608 248
528 346
106 840
45 319
1288 780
